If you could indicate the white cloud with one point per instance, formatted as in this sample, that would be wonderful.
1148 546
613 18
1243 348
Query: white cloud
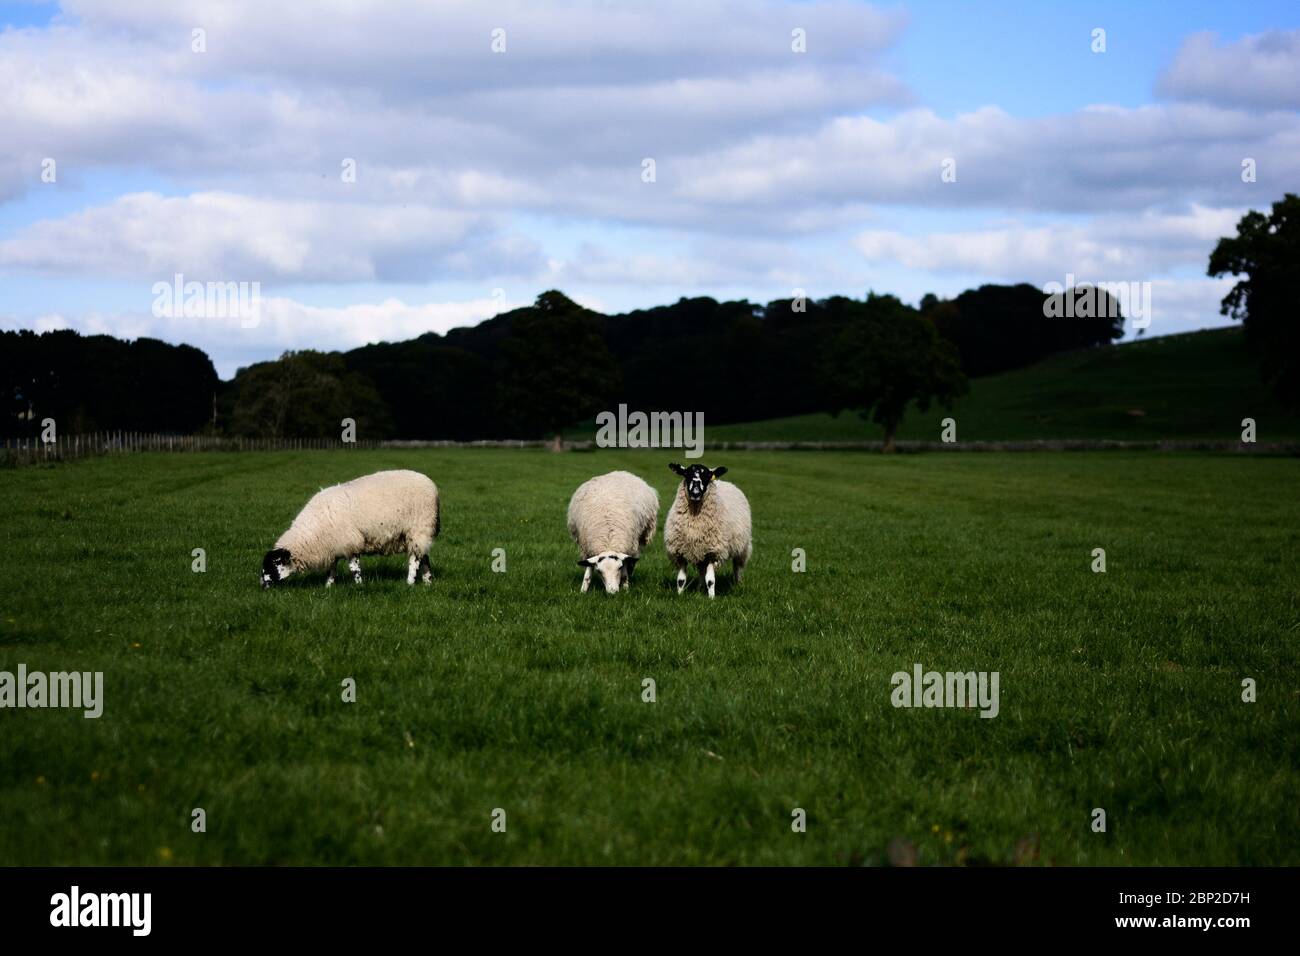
284 88
1099 159
1116 247
747 136
1260 71
228 237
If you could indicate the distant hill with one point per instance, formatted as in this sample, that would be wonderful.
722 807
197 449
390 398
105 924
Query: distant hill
1199 385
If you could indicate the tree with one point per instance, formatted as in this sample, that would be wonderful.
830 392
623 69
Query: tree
886 357
306 395
557 368
1266 249
432 390
174 385
99 382
997 328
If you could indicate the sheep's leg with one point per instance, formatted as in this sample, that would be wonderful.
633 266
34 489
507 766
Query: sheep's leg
427 577
681 578
334 566
625 577
586 579
412 565
737 568
354 565
710 580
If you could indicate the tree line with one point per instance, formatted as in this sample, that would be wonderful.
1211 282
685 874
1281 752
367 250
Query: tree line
97 382
535 371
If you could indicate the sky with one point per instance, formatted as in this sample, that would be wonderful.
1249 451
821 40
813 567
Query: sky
384 169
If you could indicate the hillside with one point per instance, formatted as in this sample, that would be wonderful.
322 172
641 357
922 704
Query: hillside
1198 385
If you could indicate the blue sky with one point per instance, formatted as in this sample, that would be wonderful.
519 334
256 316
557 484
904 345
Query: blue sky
486 177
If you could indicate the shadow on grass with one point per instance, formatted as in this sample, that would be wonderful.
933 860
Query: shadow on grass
725 584
389 571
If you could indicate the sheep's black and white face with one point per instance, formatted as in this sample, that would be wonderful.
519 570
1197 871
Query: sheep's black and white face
276 567
696 479
614 568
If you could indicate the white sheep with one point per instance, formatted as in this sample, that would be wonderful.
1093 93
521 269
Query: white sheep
389 512
612 517
707 524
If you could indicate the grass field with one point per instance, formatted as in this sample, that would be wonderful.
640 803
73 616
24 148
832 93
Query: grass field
1119 690
1197 386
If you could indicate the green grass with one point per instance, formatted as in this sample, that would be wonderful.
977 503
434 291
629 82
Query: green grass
1118 690
1197 386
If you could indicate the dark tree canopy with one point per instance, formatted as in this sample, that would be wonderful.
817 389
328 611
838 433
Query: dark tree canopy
886 357
433 390
556 367
1266 250
997 328
305 394
97 382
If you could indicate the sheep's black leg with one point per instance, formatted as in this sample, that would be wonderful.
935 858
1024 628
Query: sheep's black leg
334 566
426 568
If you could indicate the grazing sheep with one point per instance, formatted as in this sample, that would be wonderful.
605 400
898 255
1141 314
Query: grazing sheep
612 517
389 512
707 524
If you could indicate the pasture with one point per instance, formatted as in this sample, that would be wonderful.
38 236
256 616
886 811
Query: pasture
510 690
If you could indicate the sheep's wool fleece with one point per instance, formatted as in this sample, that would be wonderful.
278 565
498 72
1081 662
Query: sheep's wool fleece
613 512
389 512
718 532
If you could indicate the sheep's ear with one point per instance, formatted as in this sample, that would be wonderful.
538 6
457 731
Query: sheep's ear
676 468
719 472
586 562
629 562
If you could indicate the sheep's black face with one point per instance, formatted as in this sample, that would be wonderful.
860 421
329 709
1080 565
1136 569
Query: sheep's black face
696 479
275 567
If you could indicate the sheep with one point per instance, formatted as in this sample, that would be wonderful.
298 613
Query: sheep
708 523
611 518
389 512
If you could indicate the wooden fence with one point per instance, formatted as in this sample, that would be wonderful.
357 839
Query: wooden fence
29 451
